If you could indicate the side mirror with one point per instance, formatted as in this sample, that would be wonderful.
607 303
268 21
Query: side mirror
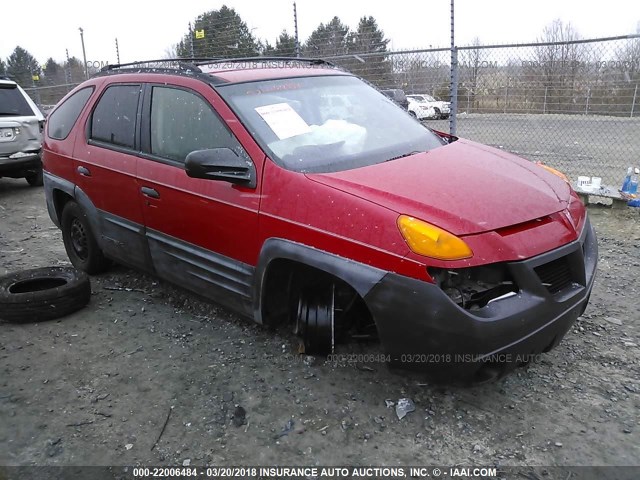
220 164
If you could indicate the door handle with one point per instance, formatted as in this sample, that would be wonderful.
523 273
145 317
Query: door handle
84 171
150 192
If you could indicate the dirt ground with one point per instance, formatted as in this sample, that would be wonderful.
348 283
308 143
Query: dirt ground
96 387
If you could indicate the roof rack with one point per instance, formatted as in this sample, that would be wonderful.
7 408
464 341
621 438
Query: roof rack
312 61
182 64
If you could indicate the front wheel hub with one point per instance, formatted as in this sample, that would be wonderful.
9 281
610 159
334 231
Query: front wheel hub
315 320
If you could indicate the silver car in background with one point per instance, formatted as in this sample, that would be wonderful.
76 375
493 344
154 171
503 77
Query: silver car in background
21 126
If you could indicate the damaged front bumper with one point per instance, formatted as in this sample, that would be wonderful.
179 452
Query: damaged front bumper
422 326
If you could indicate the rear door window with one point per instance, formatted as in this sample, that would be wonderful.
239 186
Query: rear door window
13 103
61 121
114 118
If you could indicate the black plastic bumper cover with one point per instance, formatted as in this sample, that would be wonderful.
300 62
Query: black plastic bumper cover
19 167
422 328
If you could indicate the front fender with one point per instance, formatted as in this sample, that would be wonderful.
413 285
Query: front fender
362 278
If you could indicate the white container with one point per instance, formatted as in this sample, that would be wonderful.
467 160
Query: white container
584 182
596 182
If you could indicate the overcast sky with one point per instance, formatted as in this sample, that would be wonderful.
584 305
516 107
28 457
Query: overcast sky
146 29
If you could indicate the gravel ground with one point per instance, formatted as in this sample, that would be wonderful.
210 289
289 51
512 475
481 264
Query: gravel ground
96 387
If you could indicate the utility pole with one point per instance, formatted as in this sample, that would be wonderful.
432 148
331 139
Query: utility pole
84 55
117 52
295 26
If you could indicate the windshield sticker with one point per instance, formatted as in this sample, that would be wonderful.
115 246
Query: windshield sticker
283 120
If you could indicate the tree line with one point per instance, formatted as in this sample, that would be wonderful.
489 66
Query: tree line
23 68
221 33
553 77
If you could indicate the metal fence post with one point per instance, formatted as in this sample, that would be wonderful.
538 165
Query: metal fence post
453 123
295 27
453 87
35 89
506 97
544 105
633 103
191 40
586 107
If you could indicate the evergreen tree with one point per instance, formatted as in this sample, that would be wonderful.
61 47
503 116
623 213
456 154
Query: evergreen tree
285 45
219 33
22 66
53 73
74 70
369 39
328 40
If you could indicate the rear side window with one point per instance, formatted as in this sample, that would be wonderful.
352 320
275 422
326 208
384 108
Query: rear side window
13 103
114 118
62 120
182 122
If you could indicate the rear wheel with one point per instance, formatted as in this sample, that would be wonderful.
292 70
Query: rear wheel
79 241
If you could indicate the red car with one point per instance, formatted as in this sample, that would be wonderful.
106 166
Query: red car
294 192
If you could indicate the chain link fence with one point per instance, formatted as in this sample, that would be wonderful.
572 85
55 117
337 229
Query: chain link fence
572 105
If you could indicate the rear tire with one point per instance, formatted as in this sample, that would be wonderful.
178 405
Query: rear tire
80 242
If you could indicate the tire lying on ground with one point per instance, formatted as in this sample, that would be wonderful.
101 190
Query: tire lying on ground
43 294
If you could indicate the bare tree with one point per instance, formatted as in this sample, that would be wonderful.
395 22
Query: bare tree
171 51
558 63
471 63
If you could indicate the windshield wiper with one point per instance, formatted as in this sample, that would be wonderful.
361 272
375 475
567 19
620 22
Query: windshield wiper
404 155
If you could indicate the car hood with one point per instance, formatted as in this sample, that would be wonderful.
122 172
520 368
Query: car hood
463 187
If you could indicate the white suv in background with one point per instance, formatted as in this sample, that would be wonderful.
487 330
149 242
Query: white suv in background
421 110
441 109
21 125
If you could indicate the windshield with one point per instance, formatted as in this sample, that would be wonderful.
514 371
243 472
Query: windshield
326 123
12 103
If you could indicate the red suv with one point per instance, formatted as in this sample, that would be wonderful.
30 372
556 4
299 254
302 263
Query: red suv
248 182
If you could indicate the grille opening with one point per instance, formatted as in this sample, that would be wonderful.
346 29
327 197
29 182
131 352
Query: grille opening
521 227
475 287
555 275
